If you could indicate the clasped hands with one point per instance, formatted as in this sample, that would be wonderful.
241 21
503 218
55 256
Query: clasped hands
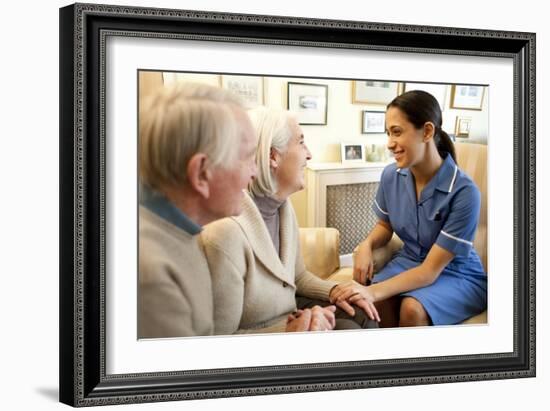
343 295
352 292
322 318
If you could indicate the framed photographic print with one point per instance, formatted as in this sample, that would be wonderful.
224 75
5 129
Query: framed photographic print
462 126
352 153
436 90
308 102
102 51
249 88
173 77
374 91
373 122
467 97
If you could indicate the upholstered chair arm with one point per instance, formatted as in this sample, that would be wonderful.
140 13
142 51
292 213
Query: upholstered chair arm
320 247
382 255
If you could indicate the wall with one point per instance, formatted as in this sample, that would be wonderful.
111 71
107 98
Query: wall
149 82
30 224
343 117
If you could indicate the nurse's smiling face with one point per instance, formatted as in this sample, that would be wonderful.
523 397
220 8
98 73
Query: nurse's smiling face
407 143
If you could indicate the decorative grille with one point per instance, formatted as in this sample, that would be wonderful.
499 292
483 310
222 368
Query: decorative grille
349 209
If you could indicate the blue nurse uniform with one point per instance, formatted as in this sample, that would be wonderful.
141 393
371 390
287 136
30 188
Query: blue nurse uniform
446 214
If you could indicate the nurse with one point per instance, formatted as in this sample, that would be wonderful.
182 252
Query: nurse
437 277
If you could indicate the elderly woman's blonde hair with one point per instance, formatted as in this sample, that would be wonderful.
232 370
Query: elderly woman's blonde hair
180 121
273 128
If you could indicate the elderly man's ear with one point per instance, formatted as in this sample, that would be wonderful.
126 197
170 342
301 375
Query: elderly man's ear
199 174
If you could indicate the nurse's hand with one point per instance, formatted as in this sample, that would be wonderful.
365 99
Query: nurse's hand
363 265
352 292
343 292
367 306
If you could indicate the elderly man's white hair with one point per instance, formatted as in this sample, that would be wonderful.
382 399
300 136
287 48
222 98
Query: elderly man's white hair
273 128
181 120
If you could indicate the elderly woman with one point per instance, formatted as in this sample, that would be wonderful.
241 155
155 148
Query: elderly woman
258 274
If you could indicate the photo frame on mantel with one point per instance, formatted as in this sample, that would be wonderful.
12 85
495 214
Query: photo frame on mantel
352 152
101 363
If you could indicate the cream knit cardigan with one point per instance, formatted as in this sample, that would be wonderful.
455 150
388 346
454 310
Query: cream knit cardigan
254 290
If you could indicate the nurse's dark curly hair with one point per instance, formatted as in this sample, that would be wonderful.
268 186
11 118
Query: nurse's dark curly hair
421 107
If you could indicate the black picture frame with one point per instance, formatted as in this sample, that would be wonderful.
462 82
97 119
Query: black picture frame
83 29
295 105
365 129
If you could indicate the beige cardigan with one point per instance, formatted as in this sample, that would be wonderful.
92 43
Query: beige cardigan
254 290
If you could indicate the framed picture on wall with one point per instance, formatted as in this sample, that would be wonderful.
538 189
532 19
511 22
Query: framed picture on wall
467 97
373 122
102 362
174 77
374 91
249 88
308 102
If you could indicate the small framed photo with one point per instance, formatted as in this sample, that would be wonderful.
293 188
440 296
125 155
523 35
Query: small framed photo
467 97
462 126
249 88
352 152
374 92
437 90
373 122
308 102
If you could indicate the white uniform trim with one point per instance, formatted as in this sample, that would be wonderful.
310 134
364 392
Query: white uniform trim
453 180
377 206
456 238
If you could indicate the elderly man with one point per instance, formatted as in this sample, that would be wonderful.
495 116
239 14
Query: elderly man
196 155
